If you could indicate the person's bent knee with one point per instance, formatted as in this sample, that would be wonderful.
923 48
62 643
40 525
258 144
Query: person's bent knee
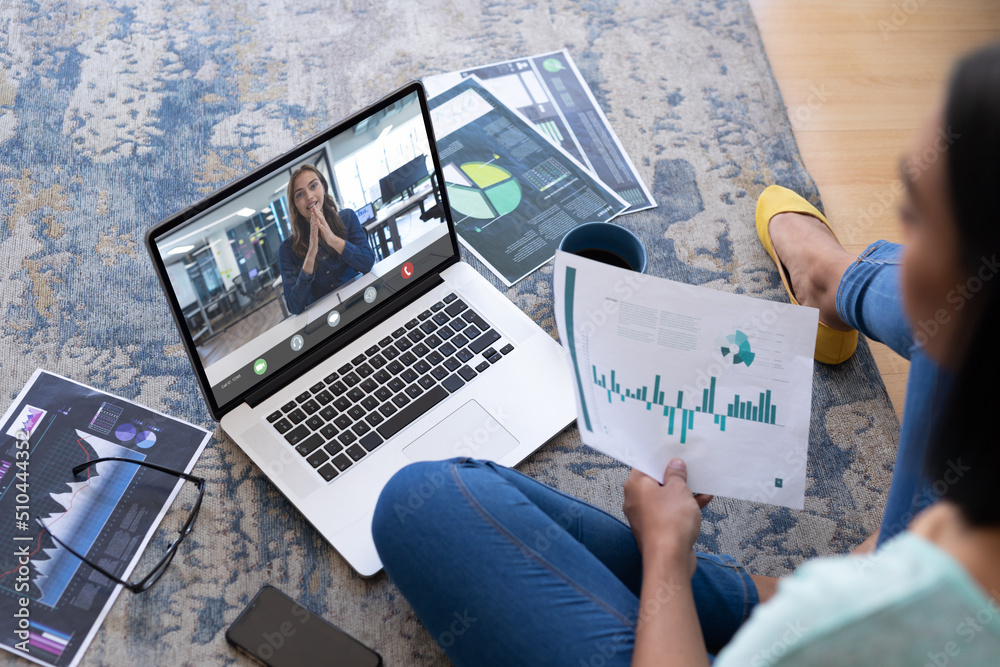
408 499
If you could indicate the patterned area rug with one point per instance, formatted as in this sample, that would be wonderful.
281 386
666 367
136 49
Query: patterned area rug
113 115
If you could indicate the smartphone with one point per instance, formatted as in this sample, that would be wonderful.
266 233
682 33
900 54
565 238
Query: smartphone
280 632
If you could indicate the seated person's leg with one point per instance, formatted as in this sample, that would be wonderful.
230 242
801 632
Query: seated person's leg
475 559
525 561
851 293
865 294
870 299
911 491
724 592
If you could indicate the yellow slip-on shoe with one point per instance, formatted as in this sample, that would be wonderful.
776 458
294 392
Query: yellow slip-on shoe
832 346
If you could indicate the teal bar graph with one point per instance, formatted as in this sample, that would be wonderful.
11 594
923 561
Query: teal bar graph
762 410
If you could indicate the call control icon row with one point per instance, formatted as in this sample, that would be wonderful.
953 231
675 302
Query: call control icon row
333 318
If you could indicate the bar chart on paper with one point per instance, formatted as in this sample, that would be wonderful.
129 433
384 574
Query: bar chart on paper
680 413
663 369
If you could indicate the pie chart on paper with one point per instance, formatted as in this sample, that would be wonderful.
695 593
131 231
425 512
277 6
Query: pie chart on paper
481 190
146 439
125 432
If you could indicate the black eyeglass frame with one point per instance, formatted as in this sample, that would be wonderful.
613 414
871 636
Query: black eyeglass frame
146 582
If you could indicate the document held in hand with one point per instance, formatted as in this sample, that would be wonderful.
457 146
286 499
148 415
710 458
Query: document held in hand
663 369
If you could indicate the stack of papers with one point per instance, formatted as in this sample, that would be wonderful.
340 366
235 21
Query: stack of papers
527 155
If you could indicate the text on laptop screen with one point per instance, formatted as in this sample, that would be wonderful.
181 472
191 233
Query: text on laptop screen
286 263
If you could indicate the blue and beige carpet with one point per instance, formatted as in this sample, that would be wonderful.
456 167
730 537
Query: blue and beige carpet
113 115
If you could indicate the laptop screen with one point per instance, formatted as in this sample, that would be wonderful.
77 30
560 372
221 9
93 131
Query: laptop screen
284 261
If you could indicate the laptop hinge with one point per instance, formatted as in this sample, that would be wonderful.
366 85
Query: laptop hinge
294 371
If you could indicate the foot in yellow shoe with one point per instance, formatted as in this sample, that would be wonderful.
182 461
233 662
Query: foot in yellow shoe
832 345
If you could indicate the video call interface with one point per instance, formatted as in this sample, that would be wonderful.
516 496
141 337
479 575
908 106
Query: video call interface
241 270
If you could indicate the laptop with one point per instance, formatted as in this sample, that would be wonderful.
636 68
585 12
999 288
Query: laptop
415 358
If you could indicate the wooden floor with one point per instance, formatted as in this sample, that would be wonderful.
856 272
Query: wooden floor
858 78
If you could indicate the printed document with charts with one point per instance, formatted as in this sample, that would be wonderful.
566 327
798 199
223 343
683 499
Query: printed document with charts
52 603
663 369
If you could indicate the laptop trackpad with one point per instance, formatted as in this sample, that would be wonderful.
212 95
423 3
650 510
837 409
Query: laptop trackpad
469 431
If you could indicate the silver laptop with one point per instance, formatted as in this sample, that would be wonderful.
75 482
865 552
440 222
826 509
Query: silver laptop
390 350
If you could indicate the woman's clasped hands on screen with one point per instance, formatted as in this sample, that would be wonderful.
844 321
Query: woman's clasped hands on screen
311 206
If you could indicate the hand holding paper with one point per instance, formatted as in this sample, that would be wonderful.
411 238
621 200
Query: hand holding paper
664 369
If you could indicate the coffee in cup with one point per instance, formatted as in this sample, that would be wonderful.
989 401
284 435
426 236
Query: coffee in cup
607 243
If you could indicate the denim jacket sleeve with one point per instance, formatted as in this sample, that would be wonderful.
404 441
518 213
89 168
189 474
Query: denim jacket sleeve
296 283
357 253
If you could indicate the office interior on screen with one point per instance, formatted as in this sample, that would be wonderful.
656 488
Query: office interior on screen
225 272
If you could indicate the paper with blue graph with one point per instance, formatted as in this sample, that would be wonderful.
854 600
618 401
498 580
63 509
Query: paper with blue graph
664 369
53 603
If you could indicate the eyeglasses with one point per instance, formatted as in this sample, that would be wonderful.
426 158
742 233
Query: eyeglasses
146 582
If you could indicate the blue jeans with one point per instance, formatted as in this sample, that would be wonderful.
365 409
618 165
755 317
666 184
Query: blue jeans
504 570
870 300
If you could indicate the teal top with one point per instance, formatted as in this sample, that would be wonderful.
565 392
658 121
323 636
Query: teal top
909 603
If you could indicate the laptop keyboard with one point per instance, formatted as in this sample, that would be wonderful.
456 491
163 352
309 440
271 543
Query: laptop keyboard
338 421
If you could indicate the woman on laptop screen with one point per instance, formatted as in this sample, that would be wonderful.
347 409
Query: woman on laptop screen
326 250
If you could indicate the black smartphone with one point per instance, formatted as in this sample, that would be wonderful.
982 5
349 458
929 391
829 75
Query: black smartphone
280 632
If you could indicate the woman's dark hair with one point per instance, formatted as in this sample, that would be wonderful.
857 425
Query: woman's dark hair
299 224
963 460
